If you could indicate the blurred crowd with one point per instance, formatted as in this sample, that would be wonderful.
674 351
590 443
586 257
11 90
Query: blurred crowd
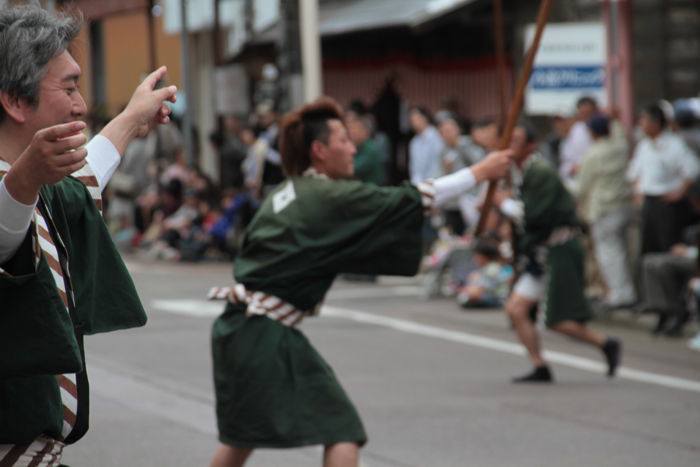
638 198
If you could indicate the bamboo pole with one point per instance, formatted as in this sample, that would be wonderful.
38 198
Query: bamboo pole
516 105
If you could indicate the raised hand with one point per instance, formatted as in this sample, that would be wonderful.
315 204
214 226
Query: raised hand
494 166
146 107
54 153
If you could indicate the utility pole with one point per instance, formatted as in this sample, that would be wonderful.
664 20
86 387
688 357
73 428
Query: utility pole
186 84
618 20
310 49
289 61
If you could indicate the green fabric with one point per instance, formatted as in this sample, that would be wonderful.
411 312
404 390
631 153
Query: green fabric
272 388
369 164
548 205
29 407
52 347
105 298
566 284
332 227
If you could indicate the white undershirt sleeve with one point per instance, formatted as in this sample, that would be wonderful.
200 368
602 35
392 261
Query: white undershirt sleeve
15 219
453 185
103 158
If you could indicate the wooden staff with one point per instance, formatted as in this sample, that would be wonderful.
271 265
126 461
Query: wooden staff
498 42
516 105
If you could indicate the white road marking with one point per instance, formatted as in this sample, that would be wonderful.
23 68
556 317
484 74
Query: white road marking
199 308
376 292
203 308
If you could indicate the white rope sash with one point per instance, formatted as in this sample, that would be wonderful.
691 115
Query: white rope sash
262 304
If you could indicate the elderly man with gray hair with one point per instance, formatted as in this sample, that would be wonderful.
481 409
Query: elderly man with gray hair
60 274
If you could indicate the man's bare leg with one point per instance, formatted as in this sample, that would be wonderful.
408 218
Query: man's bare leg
611 347
581 332
341 455
518 309
229 456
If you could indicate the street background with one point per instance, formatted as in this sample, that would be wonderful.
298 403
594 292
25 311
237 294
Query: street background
429 391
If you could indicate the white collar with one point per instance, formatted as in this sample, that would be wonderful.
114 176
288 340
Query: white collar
313 173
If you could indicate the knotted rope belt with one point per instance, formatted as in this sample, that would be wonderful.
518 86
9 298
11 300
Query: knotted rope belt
260 303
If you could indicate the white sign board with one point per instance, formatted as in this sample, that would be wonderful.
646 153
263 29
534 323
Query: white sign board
570 64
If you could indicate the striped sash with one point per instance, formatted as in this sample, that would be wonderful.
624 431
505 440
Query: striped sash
259 303
87 177
45 451
47 246
42 451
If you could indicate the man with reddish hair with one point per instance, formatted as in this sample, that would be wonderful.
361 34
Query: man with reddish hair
272 387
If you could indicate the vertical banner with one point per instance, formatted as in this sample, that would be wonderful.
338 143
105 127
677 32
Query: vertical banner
570 64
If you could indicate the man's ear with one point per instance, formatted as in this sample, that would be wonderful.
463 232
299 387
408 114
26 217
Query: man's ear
14 107
318 152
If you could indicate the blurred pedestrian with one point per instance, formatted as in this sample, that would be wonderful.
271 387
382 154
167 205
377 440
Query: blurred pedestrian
425 147
662 170
551 260
273 389
665 278
607 197
459 151
61 277
369 162
577 140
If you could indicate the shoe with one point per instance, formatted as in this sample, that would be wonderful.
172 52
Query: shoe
540 374
675 329
660 324
612 349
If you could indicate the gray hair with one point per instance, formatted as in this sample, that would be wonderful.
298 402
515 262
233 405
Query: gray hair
29 38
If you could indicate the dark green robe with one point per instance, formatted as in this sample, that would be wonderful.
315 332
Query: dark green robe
272 388
548 206
33 352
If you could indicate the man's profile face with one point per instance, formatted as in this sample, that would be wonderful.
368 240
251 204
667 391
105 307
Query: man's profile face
338 154
449 130
59 98
520 145
418 121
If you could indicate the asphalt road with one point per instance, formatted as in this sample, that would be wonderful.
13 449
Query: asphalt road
430 381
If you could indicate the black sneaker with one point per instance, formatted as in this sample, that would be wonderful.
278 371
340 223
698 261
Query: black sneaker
661 324
675 328
612 349
539 374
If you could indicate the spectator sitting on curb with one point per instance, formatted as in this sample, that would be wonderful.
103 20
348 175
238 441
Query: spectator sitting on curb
487 287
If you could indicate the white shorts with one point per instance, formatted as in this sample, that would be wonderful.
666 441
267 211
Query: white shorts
530 287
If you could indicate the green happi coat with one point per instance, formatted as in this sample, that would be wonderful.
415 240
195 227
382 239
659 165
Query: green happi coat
549 206
37 338
272 388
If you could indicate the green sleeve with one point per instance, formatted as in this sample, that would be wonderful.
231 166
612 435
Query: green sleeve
105 296
331 227
380 230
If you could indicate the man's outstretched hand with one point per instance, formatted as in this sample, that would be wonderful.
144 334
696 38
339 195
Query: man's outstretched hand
145 109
